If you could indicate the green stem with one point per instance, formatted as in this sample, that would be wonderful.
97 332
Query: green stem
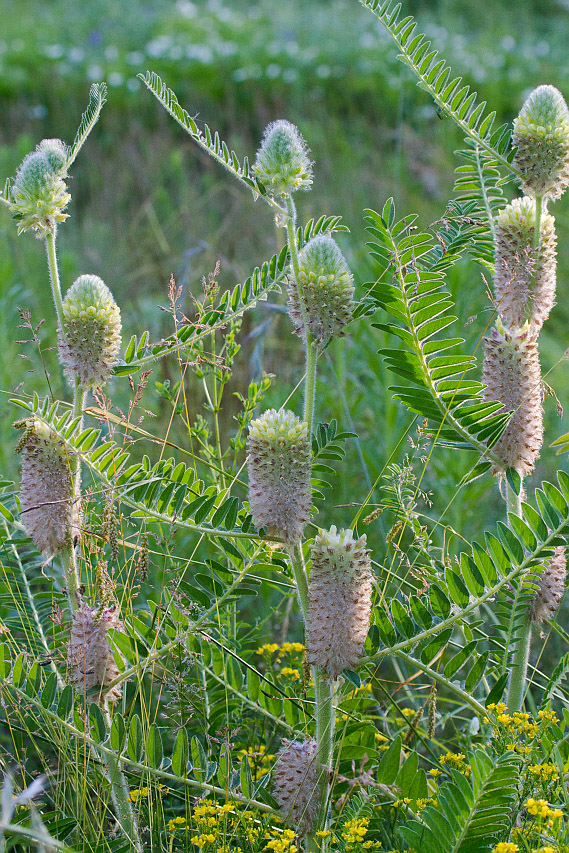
310 346
537 230
120 793
518 677
324 701
299 570
54 275
69 555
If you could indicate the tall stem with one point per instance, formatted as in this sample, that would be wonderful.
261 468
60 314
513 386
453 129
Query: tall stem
518 677
309 342
119 794
54 275
324 699
299 571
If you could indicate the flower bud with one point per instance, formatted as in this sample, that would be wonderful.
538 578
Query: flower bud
551 584
89 657
525 278
339 601
46 493
280 496
541 136
283 165
512 375
90 339
38 195
327 288
295 777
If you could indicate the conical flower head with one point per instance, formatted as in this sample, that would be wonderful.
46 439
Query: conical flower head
38 195
283 165
327 288
339 601
90 339
551 584
279 473
46 493
525 278
89 657
512 375
541 136
295 778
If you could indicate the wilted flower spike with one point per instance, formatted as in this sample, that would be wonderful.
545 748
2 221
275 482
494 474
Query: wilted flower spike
38 195
279 473
90 339
512 375
551 587
46 493
524 278
339 601
327 287
295 777
90 660
541 136
283 165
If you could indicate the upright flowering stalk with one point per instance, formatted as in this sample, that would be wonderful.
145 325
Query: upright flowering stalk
91 663
541 136
551 588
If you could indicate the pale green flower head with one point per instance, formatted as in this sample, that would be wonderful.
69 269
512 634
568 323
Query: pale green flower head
90 337
37 196
283 165
541 136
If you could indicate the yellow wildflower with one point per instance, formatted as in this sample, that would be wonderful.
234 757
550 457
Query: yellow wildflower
506 847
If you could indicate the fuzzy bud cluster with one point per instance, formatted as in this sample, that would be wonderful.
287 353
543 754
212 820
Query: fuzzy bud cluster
525 278
339 601
90 337
283 165
326 290
90 660
38 195
512 375
551 583
279 473
295 778
46 493
541 136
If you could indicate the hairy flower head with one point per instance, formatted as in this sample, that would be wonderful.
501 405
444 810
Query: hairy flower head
89 657
90 338
295 778
541 136
37 196
551 587
46 492
525 278
327 288
339 601
279 473
283 165
512 375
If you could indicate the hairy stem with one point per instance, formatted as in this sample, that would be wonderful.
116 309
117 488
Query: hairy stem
518 677
54 275
120 793
324 699
299 571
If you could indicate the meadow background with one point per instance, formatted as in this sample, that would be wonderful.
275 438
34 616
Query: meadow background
147 203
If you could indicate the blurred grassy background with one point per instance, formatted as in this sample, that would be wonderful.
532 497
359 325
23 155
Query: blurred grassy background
147 203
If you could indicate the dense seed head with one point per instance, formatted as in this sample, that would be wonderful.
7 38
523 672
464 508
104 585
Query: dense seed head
90 339
279 473
551 587
339 601
90 660
327 287
56 153
295 778
38 195
541 136
283 165
525 278
512 375
46 492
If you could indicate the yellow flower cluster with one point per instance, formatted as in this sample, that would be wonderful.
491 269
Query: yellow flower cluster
259 760
506 847
355 829
282 843
290 672
546 772
540 808
455 760
521 726
286 649
178 823
382 741
141 793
